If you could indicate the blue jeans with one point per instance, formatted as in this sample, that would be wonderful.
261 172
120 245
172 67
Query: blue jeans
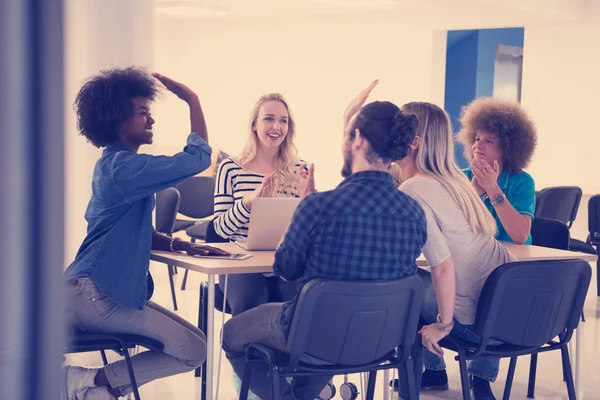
486 369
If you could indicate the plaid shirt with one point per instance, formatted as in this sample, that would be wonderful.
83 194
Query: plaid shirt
365 229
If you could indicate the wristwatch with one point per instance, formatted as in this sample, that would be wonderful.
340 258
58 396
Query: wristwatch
442 326
498 199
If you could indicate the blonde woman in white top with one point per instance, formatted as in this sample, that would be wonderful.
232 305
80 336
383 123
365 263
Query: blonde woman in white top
460 249
268 166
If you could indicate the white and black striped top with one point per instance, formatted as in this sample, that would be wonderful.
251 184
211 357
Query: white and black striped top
232 183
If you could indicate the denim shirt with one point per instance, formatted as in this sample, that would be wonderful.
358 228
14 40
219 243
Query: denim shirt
115 254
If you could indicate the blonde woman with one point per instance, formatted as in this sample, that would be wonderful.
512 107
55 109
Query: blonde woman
460 249
266 167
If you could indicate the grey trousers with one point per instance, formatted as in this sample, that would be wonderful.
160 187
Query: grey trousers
88 310
261 325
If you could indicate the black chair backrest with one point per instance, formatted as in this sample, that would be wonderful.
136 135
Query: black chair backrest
167 204
530 303
594 219
550 233
212 236
197 196
355 322
560 203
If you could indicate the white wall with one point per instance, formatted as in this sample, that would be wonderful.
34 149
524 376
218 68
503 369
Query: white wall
98 35
561 85
318 65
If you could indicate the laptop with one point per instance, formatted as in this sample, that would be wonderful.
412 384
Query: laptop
269 220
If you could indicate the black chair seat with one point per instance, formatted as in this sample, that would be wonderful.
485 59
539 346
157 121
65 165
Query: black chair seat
182 224
269 355
494 351
581 246
527 305
198 230
83 342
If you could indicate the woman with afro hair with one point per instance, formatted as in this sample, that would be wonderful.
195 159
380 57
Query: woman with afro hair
499 140
108 285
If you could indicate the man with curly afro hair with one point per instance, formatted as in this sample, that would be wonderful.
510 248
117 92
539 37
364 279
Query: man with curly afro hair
499 140
108 285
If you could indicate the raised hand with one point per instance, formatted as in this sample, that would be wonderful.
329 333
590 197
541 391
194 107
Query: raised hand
266 189
478 189
486 175
355 106
270 185
178 89
305 180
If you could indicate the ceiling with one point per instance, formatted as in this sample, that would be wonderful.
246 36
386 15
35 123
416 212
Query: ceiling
445 14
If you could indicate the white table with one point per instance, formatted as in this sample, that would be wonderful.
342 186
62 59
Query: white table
262 261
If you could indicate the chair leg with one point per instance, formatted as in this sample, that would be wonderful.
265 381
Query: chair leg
568 373
275 382
464 376
509 378
411 378
104 359
136 393
582 316
172 288
184 280
532 374
246 379
564 362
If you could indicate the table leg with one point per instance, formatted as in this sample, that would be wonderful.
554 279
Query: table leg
578 362
386 381
210 342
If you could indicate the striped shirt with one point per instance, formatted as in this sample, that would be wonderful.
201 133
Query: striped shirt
233 182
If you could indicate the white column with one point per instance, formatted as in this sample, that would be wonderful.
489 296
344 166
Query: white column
99 34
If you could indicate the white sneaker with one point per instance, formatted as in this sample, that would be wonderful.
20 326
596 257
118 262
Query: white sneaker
76 379
95 393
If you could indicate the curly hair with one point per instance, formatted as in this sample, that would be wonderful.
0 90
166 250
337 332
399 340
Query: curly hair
104 102
505 119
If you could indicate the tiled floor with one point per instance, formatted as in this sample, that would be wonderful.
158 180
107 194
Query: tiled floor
549 381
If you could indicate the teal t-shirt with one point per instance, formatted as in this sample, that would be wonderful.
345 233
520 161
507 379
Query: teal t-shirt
519 189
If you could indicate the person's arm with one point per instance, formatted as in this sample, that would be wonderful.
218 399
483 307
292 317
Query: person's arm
444 285
438 256
197 121
515 213
136 176
230 215
516 225
160 241
293 252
